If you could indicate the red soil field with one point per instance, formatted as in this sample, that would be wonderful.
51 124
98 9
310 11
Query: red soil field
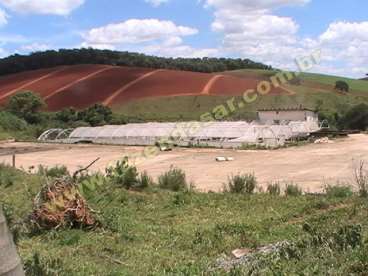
166 83
62 78
96 89
81 86
11 82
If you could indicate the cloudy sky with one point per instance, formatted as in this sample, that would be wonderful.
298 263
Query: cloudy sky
270 31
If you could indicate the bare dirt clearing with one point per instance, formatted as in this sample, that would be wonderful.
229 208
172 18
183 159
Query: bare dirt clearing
311 166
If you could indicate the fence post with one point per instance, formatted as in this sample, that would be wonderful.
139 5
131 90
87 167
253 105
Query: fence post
13 161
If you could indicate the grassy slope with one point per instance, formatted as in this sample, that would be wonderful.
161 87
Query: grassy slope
315 88
157 232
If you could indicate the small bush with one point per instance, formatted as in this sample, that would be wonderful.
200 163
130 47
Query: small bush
8 175
174 180
54 172
342 86
338 191
242 184
274 189
293 190
123 174
144 181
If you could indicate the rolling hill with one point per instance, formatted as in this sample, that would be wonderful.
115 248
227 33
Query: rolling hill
162 94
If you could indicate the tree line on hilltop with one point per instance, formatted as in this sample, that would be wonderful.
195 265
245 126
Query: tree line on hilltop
38 60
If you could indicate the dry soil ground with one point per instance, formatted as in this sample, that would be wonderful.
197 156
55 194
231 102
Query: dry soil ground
312 166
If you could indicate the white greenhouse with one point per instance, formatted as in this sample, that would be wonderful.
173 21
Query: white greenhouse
215 134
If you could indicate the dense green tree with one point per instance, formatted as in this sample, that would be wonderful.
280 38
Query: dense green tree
356 118
342 86
38 60
26 105
67 115
96 115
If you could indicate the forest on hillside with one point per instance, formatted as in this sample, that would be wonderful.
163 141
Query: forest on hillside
51 58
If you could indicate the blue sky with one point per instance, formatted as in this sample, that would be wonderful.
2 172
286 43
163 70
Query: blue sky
275 32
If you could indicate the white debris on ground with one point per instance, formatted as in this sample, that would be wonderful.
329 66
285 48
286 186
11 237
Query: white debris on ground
227 263
324 140
238 253
224 159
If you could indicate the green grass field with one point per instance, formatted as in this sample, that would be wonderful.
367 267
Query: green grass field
156 232
314 91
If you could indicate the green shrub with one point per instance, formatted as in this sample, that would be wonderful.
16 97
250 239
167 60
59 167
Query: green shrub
10 122
8 175
144 181
54 172
274 189
123 174
242 184
338 191
293 190
174 180
26 105
342 86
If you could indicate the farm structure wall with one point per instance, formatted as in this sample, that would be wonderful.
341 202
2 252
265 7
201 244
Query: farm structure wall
278 116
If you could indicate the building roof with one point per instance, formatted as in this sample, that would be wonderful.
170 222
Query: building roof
300 108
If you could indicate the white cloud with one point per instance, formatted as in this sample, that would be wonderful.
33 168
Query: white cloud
346 43
3 18
136 31
35 47
152 36
57 7
156 3
3 53
247 5
251 30
174 47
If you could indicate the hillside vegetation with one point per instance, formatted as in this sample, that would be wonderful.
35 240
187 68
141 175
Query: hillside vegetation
47 59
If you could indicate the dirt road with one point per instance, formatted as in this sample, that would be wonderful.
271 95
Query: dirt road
312 166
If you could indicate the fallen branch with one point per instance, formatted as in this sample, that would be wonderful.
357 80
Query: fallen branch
85 169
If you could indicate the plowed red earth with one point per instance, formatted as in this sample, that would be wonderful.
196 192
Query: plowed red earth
96 89
12 82
80 86
62 78
166 83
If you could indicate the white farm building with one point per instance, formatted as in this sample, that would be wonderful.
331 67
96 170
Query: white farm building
272 129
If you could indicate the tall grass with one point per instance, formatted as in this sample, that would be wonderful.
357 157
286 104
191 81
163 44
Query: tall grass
292 189
174 180
361 178
241 184
274 189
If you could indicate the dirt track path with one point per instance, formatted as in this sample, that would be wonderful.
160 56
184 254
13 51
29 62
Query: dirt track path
311 166
207 89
